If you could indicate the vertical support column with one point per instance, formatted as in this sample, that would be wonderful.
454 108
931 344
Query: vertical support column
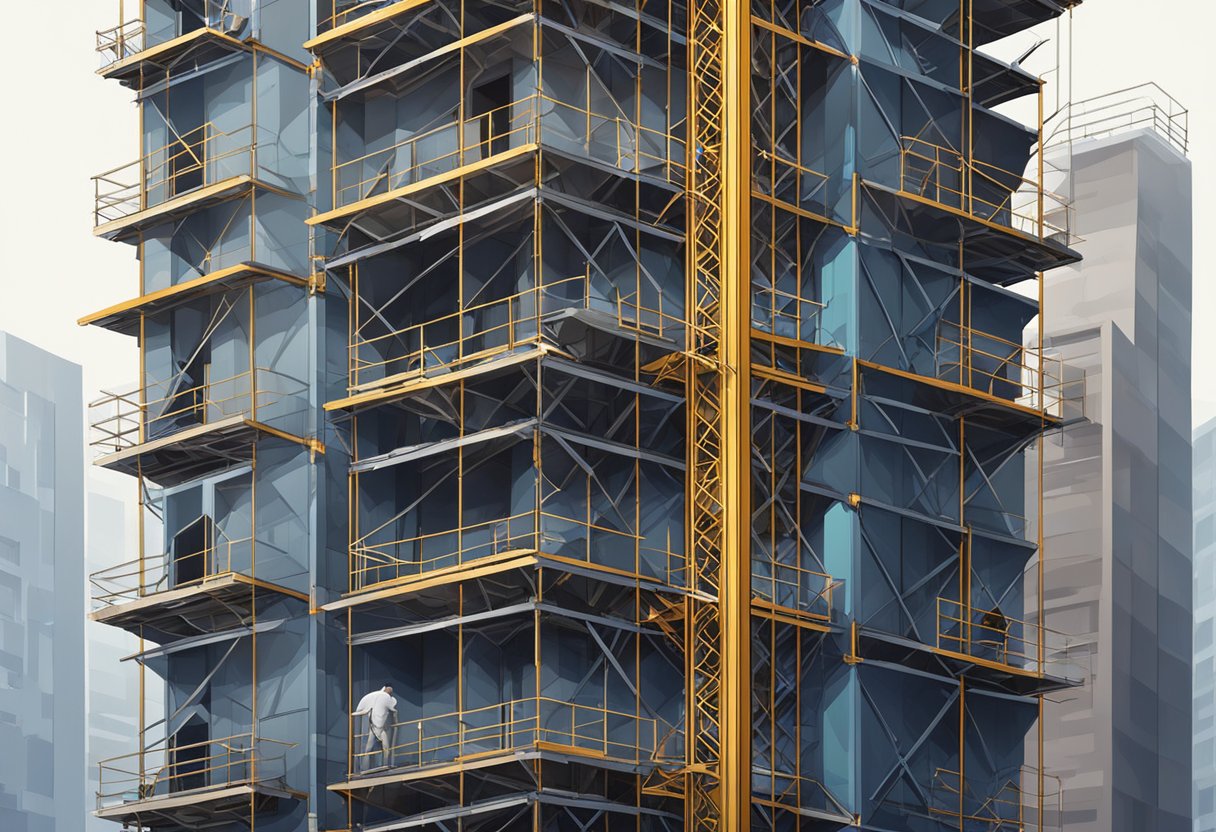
735 595
717 637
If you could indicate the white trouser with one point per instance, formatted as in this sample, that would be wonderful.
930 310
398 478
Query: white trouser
374 733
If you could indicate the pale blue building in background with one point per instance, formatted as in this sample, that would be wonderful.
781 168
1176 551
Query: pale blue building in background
42 682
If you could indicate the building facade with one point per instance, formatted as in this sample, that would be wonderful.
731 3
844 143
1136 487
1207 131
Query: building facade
1204 712
637 390
1118 520
42 685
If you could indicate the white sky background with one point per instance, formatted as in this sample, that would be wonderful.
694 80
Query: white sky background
62 124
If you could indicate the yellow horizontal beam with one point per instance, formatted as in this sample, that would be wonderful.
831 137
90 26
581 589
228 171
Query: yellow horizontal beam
117 226
475 569
761 335
230 423
209 586
415 383
788 615
169 46
955 387
960 213
430 182
782 377
188 287
790 34
351 27
800 211
976 660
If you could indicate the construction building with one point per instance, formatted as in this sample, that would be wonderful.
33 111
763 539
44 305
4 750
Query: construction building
1118 521
637 389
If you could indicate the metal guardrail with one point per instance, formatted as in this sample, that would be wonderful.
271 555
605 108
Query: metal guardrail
510 726
795 792
344 11
140 578
793 587
383 563
985 191
458 142
1026 799
786 314
994 637
241 759
1024 374
448 341
122 420
120 42
200 157
132 35
1142 107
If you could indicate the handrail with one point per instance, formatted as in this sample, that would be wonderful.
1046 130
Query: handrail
785 311
343 11
993 636
120 42
943 175
794 587
1144 106
796 793
1010 807
511 726
236 760
142 577
122 420
1022 373
132 35
379 564
199 157
410 160
518 317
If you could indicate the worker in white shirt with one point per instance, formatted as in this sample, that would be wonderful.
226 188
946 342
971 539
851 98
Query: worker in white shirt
378 706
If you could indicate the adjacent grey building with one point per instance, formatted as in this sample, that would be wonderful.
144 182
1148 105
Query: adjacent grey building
1117 554
1204 711
42 685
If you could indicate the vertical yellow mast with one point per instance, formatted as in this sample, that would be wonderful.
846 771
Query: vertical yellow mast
718 626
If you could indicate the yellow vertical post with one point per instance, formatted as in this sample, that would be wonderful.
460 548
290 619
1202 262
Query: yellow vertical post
718 638
735 591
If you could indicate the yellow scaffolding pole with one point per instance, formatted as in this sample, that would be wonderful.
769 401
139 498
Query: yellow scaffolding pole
718 637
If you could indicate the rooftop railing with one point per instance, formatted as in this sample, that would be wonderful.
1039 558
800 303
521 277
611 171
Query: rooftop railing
241 759
517 725
1143 107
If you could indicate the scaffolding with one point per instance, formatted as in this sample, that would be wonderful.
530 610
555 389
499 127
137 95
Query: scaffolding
641 392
